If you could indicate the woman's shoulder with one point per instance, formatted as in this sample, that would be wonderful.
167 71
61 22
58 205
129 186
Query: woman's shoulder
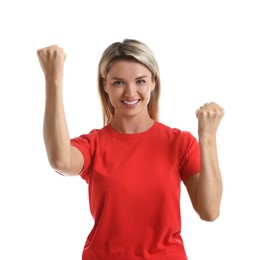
89 136
170 129
174 131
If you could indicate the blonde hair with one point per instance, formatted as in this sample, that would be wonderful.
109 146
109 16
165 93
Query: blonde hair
134 50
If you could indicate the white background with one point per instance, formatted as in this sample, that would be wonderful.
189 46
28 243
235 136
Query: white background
207 51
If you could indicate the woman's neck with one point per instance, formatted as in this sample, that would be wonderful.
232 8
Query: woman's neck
131 125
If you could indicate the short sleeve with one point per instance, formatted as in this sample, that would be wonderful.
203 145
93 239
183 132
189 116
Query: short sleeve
86 144
190 156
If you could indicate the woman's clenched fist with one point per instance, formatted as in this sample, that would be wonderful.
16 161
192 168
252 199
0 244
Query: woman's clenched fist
209 116
52 61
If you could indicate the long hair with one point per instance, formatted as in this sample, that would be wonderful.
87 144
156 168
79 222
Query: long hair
134 50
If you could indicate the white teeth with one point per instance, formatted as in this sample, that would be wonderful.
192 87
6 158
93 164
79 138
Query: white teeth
130 102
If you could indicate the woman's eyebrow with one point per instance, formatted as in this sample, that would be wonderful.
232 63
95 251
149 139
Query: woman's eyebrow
140 77
116 78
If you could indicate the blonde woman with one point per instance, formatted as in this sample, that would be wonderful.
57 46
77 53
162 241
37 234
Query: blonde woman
134 165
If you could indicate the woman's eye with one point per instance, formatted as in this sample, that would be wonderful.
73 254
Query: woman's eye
118 83
141 81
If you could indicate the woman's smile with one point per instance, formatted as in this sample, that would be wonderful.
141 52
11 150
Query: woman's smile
130 104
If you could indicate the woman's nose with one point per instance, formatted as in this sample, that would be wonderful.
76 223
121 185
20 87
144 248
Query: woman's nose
130 90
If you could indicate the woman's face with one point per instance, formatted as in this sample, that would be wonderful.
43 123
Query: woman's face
129 85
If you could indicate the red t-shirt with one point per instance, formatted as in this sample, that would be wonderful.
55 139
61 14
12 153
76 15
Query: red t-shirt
134 191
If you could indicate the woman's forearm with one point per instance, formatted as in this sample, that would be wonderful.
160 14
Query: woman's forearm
209 190
55 129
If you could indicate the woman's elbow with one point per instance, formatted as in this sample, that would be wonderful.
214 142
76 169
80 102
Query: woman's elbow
59 165
209 216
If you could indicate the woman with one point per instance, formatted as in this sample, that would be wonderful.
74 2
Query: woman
134 165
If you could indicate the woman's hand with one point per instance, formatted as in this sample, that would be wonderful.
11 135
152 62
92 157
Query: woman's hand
52 62
209 117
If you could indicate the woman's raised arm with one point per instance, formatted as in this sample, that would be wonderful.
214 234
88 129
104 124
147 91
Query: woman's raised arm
63 158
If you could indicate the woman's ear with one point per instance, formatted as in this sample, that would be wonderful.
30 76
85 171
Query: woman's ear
153 85
104 84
